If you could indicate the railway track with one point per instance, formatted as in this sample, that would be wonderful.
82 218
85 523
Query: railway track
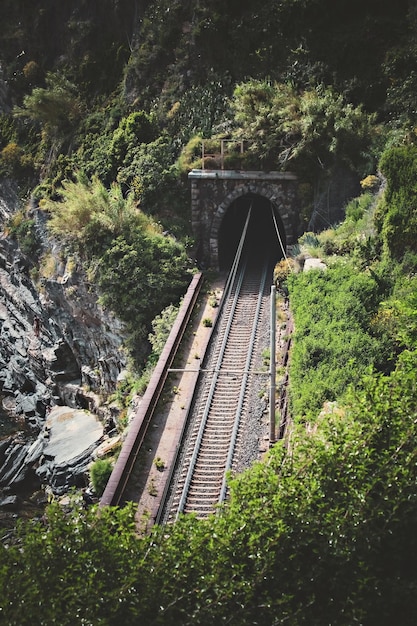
223 427
199 480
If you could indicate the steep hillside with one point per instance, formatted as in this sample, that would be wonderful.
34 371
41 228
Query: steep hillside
88 39
103 108
77 71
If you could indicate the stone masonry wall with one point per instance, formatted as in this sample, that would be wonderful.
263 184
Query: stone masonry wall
213 191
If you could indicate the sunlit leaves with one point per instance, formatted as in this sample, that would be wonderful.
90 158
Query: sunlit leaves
317 126
397 219
71 566
87 211
322 531
57 106
333 344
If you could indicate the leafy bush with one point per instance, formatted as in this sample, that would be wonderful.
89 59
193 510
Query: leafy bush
24 231
356 208
78 555
57 107
149 171
282 270
100 473
397 316
370 183
88 214
161 327
139 274
396 217
93 143
190 157
333 344
313 130
15 162
321 533
10 156
351 237
136 129
343 497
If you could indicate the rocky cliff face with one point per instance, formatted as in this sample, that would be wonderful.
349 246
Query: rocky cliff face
57 346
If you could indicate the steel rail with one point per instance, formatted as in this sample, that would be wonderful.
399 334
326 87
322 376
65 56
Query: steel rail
214 437
243 386
226 294
209 400
233 275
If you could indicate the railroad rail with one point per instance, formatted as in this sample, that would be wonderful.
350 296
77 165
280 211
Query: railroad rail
200 479
212 430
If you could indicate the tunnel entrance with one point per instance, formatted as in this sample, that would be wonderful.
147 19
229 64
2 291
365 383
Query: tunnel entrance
262 239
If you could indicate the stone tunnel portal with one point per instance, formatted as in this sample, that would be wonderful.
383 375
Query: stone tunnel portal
262 239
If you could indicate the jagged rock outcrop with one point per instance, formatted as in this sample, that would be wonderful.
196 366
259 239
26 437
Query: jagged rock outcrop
17 460
57 345
4 104
68 441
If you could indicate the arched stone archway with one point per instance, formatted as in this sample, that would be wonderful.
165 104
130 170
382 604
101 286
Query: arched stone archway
214 191
265 213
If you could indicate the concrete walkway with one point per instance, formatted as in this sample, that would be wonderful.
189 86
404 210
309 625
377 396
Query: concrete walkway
170 415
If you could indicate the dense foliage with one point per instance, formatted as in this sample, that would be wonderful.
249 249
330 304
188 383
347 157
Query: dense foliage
398 215
191 70
101 123
315 127
138 268
322 532
334 343
358 315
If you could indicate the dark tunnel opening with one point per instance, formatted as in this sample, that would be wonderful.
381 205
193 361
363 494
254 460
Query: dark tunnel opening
262 241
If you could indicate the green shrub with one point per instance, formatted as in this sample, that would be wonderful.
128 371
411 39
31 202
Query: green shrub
10 156
24 231
90 215
190 157
100 473
139 274
347 238
149 170
334 344
397 214
57 107
397 315
370 183
313 129
282 270
136 129
159 464
335 506
356 208
161 327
